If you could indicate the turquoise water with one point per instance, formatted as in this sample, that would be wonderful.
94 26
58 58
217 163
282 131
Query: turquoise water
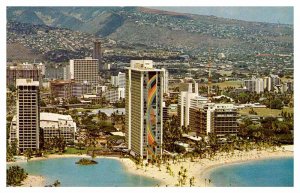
107 173
263 173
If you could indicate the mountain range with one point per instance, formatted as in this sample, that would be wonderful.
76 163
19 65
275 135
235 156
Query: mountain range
163 29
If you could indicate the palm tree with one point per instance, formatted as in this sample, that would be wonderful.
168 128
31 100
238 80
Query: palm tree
179 178
28 153
192 181
184 176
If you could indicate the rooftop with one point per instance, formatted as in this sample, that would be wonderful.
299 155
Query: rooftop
142 65
27 82
54 117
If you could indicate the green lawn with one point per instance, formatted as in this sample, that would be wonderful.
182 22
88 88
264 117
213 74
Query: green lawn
225 84
264 112
225 72
222 85
72 150
284 79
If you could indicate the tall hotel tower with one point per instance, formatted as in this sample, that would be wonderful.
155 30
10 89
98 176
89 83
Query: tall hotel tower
97 53
144 111
84 70
28 122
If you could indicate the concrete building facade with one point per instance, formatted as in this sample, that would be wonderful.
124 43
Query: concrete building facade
119 80
218 119
57 125
97 53
84 70
255 85
114 95
27 114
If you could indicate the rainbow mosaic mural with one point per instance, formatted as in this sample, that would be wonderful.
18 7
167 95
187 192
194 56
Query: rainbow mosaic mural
151 114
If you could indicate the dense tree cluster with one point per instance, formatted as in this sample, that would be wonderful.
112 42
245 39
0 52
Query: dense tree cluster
15 175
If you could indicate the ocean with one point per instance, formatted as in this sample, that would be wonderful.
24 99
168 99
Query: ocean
277 172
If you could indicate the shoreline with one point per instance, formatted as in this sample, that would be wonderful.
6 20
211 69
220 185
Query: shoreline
200 169
34 181
205 174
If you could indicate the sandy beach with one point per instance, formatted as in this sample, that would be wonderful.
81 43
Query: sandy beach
198 168
34 181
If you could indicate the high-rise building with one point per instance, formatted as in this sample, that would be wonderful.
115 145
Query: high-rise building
275 80
61 88
24 71
250 85
259 85
66 72
118 80
267 83
84 70
219 119
255 85
166 81
144 110
184 103
97 54
27 114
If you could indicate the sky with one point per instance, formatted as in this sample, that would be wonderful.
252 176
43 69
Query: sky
282 15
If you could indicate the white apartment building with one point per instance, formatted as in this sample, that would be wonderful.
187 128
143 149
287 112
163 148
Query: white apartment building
57 125
84 70
185 101
255 85
119 80
114 95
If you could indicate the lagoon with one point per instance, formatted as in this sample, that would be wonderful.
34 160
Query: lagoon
107 173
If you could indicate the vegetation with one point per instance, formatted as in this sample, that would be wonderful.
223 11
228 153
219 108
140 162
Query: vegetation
15 175
270 130
182 176
11 150
72 150
84 161
74 100
28 154
55 144
225 84
192 181
252 112
172 133
265 112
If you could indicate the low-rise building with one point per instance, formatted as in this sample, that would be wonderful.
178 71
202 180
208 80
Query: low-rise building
57 125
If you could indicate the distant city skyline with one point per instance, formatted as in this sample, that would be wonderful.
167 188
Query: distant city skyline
282 15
